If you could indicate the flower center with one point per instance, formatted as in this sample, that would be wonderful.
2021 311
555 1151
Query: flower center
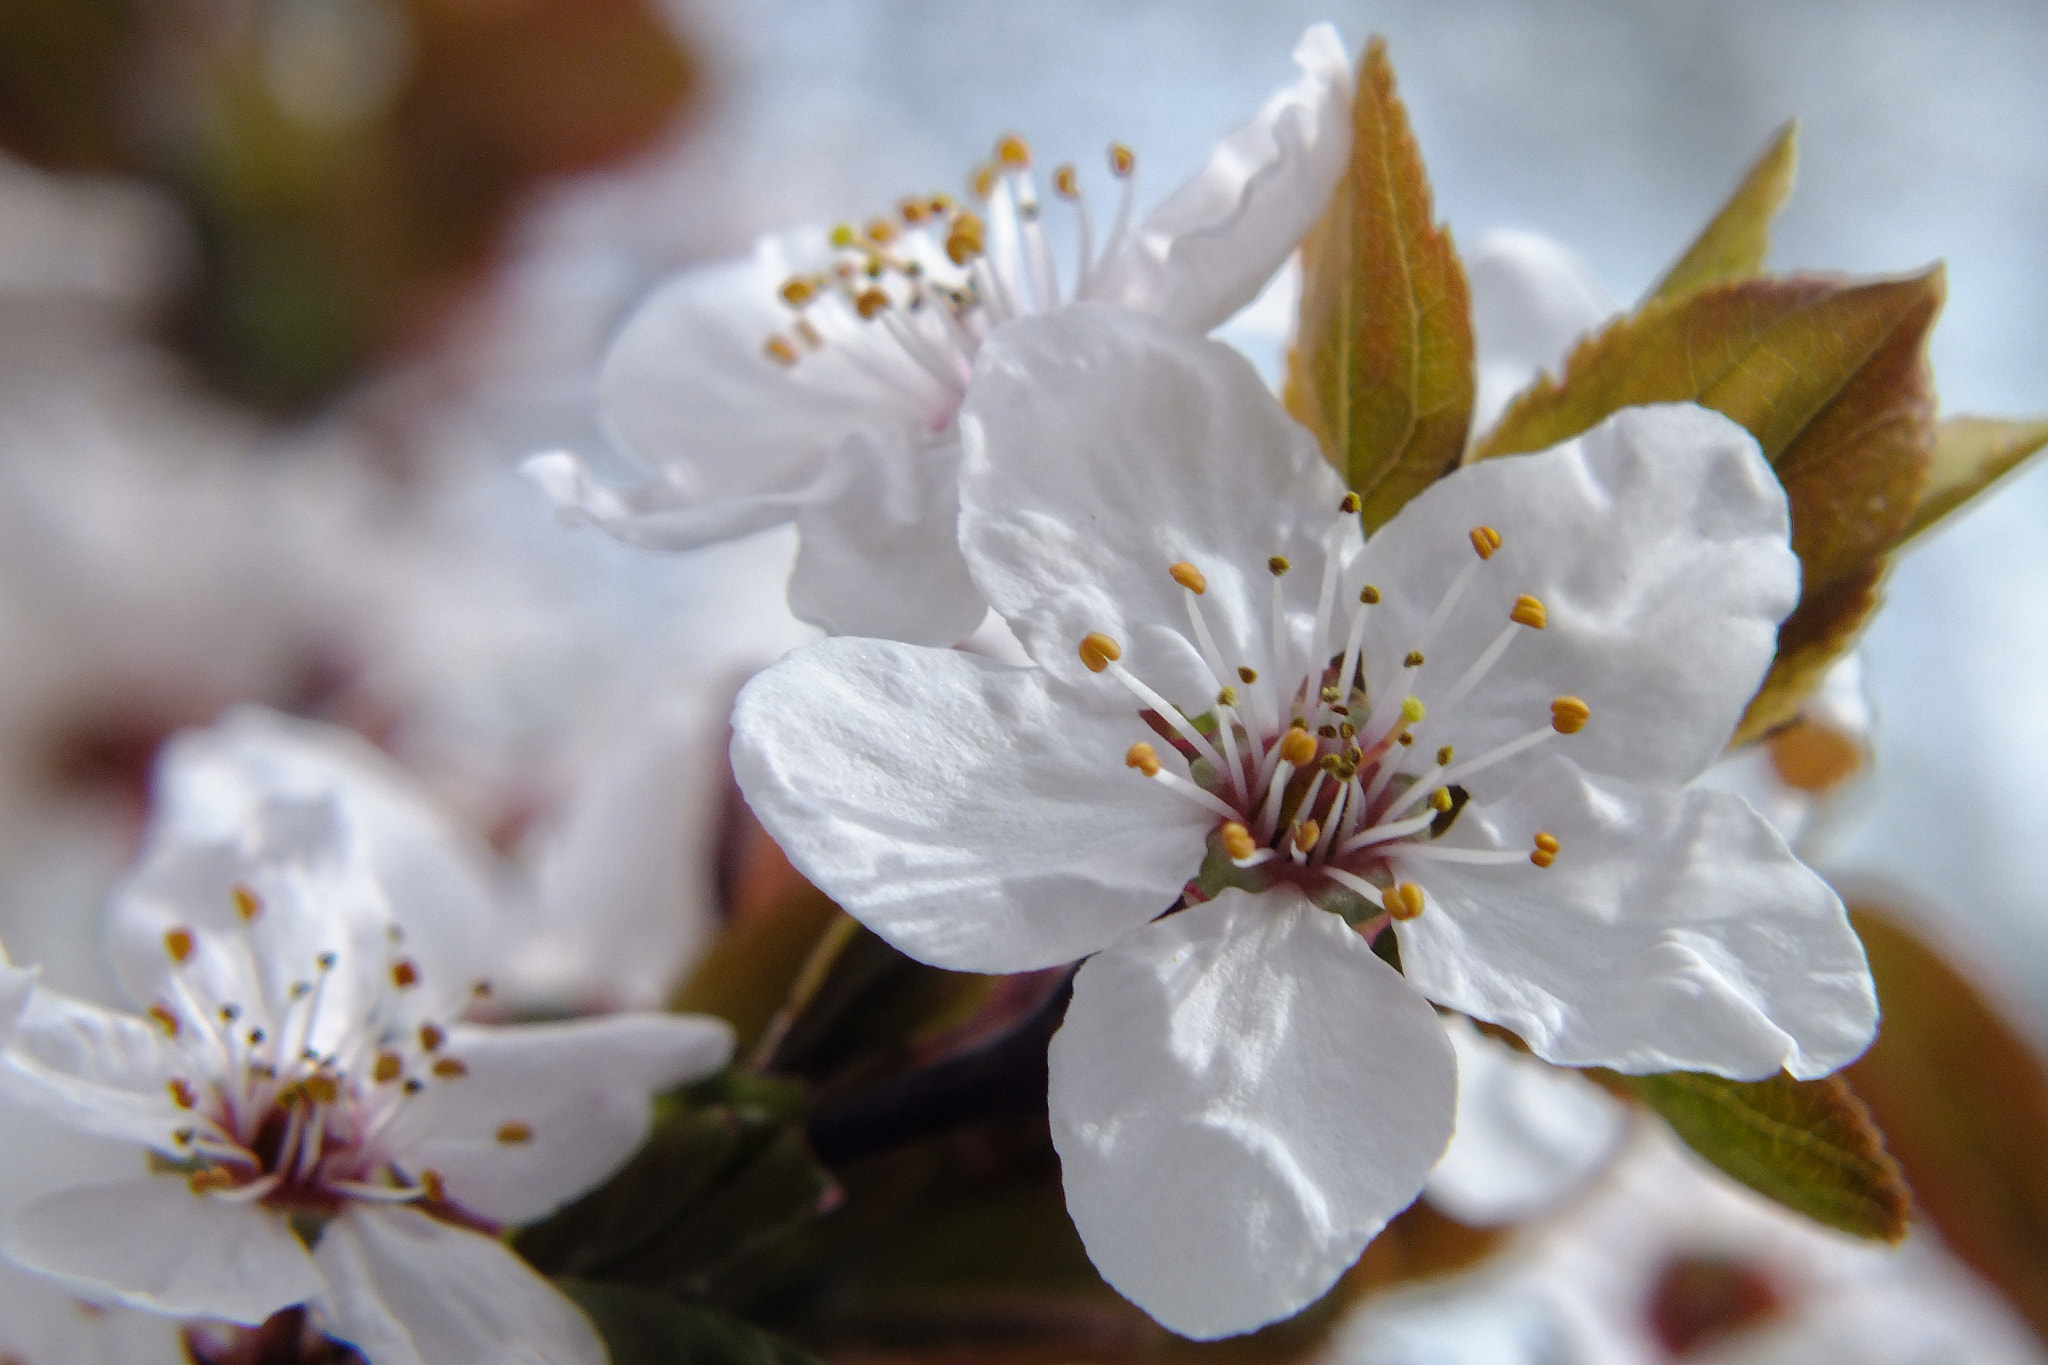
1310 777
908 298
297 1097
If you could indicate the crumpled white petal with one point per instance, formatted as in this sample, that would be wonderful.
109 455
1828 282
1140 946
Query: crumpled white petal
152 1243
578 1093
1206 250
879 553
1674 932
94 1069
1242 1095
1657 543
979 817
1529 1135
1532 299
1102 448
405 1289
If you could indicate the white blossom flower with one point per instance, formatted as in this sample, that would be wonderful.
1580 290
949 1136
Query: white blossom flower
321 1127
819 379
1478 728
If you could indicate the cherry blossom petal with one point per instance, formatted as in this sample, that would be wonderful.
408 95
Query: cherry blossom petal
404 1289
1532 299
1102 448
1207 249
539 1113
93 1069
880 549
152 1243
1242 1095
979 817
1658 545
1674 932
1529 1135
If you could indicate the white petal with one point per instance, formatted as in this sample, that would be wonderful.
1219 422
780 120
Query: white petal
1104 447
93 1069
977 816
579 1091
1532 299
657 514
152 1243
1206 250
1657 543
736 439
1242 1095
880 554
1529 1135
404 1289
1674 932
15 986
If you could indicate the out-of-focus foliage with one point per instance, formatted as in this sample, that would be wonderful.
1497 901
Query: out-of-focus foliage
1733 244
348 166
1970 455
1382 367
1963 1097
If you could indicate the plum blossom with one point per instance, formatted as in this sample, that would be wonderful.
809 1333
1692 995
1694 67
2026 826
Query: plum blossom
321 1127
819 380
1477 730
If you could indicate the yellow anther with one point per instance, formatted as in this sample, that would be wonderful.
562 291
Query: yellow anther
1099 651
1330 763
1414 659
1066 184
1349 504
1247 676
404 975
940 204
1143 757
964 239
435 1187
1403 901
844 237
1547 842
1347 730
914 211
431 1038
871 304
210 1179
387 1068
1330 693
1306 832
778 349
1443 756
165 1020
881 231
515 1133
1013 152
1440 800
322 1089
1327 731
1568 715
1298 747
247 903
1189 577
1227 697
1412 710
807 334
480 988
1405 739
1238 843
1546 850
1528 612
1122 160
1369 595
450 1068
178 943
798 291
182 1094
983 181
1278 565
1485 540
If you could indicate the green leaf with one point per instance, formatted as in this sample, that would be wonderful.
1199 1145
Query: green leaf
1963 1096
1382 369
643 1328
1734 244
1971 454
1810 1145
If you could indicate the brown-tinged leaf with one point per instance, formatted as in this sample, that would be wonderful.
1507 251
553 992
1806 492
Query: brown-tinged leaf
748 973
1971 454
1819 631
1963 1097
1382 368
1809 1145
1733 245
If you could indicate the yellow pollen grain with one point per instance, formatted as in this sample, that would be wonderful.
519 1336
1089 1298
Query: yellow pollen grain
964 239
1542 857
1297 747
1440 800
431 1038
1347 730
515 1133
1143 757
1189 577
778 349
1349 504
1247 676
322 1089
1327 731
1414 659
404 975
870 304
1568 715
1547 842
881 231
1013 152
940 203
247 903
798 291
165 1020
387 1068
450 1068
1237 841
983 181
1444 755
1528 612
178 943
1227 697
1066 183
182 1094
913 210
1099 651
1485 540
1306 832
210 1179
1278 565
1403 902
436 1188
1412 710
1330 693
1405 740
844 237
1369 595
